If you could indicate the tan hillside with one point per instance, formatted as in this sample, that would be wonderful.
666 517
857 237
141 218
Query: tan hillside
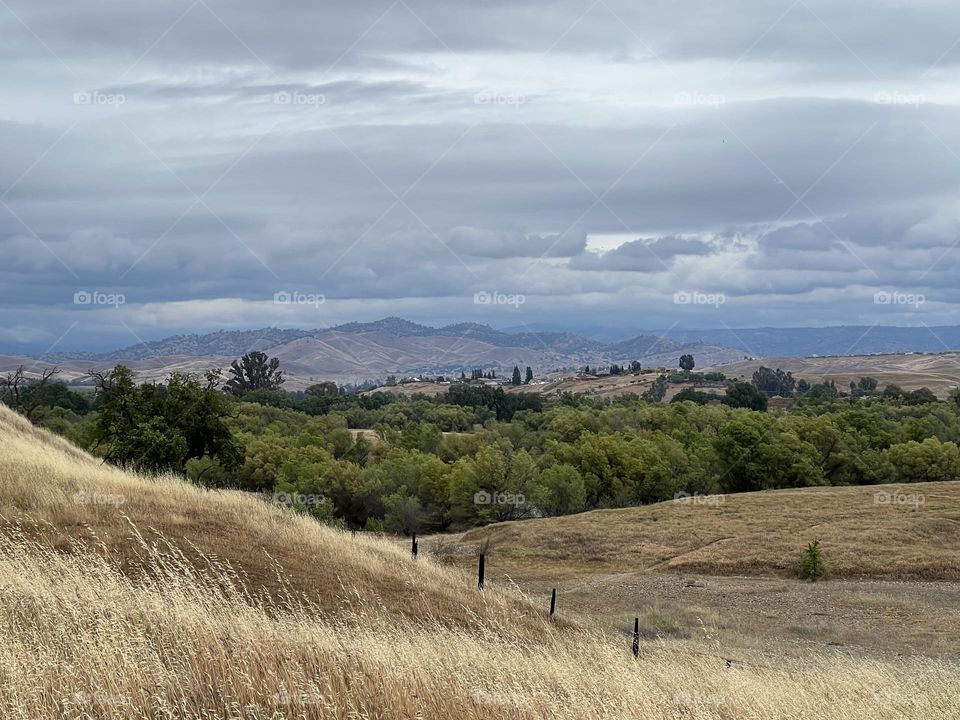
893 531
54 492
105 618
938 371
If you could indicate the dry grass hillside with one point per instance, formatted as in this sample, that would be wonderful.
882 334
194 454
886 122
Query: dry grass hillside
147 598
53 492
940 372
883 531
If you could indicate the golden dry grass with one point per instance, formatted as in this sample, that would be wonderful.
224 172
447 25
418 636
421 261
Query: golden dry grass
938 371
104 617
64 497
883 531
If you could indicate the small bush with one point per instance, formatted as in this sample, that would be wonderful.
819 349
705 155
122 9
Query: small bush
812 565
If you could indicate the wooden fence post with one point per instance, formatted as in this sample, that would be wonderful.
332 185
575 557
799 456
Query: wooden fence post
553 602
413 546
480 572
636 637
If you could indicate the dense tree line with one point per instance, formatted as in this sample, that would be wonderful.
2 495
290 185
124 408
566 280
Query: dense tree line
478 454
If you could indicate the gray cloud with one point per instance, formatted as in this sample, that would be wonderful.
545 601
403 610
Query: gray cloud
199 161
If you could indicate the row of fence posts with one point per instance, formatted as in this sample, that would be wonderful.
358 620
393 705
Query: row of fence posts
481 572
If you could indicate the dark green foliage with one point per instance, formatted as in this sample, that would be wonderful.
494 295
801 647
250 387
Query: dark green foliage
864 387
495 399
745 395
254 371
161 427
774 382
919 397
693 395
687 363
477 454
657 391
821 392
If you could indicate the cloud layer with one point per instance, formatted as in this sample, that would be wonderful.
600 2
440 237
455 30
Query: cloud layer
397 158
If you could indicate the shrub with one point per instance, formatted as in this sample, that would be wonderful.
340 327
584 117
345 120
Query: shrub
812 565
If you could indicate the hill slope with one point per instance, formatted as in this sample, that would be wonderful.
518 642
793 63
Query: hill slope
893 531
62 496
105 618
938 371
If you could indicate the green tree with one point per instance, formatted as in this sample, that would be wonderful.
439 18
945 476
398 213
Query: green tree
560 490
756 453
774 382
254 371
745 395
693 395
160 427
324 389
925 461
658 390
517 380
404 514
687 363
529 377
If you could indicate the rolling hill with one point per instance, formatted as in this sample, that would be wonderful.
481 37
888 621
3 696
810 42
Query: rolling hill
361 352
938 371
864 533
125 596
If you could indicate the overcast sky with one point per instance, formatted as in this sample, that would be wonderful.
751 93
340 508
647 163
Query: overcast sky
172 167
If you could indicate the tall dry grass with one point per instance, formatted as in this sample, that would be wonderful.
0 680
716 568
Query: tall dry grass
165 629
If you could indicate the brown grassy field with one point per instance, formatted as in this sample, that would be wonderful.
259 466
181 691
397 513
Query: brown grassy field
893 554
137 597
882 531
603 386
940 372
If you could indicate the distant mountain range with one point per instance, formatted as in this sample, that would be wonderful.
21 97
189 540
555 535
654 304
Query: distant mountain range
358 352
238 342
